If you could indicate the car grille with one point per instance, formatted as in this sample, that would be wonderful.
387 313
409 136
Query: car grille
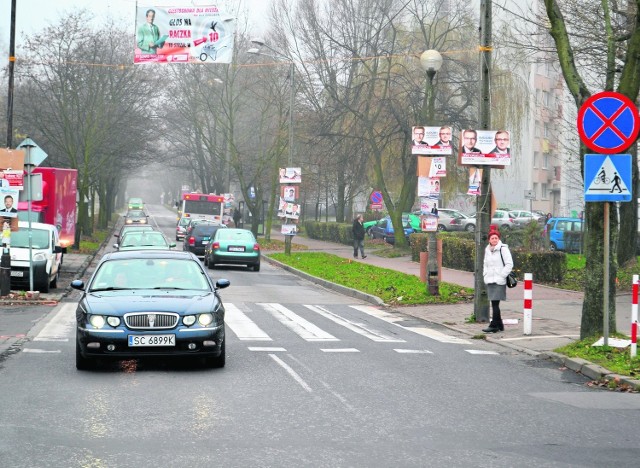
149 320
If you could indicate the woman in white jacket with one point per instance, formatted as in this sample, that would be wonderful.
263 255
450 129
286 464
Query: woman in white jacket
498 263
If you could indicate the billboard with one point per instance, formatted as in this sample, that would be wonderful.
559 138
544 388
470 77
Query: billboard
183 34
431 140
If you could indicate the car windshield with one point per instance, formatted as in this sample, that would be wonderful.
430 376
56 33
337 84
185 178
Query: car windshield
235 235
39 238
143 239
147 273
135 214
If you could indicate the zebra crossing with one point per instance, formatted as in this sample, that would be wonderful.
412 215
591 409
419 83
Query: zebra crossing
247 322
245 329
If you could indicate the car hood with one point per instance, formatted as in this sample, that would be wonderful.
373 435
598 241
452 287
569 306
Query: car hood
143 300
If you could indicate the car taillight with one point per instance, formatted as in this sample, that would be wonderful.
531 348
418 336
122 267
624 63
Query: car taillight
256 247
192 240
215 245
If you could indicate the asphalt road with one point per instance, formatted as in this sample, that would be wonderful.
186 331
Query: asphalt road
313 378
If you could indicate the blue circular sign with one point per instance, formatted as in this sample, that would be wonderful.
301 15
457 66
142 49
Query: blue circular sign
376 197
608 122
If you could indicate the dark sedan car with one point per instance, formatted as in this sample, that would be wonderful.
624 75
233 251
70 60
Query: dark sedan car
150 303
199 236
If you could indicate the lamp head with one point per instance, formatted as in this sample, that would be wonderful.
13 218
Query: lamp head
431 60
258 41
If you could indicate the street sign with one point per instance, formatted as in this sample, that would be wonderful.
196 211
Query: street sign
607 178
530 194
376 197
608 122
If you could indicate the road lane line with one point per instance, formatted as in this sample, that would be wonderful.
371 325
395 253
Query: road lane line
291 372
61 326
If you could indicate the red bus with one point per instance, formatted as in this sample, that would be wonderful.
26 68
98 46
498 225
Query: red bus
202 206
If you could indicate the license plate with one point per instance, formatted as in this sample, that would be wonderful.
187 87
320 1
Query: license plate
236 249
17 274
152 340
205 242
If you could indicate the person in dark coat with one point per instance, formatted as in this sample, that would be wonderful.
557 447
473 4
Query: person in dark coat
358 236
236 217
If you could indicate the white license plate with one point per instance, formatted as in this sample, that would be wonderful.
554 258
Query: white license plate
18 274
204 242
152 340
236 249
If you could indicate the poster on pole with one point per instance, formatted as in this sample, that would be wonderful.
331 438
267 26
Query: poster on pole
431 141
485 148
183 34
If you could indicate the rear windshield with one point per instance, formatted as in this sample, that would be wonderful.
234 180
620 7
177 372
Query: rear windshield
205 230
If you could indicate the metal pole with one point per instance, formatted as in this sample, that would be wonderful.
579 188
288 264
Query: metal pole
12 61
291 96
483 201
605 285
433 285
29 170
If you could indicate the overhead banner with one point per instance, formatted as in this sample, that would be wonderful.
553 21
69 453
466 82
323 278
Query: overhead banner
183 34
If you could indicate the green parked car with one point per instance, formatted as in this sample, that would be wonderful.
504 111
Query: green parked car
407 218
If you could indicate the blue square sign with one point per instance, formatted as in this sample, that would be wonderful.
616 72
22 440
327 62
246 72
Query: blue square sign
607 178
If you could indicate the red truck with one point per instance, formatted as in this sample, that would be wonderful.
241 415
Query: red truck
58 204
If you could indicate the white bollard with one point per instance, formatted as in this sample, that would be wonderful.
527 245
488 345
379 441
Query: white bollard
634 316
528 302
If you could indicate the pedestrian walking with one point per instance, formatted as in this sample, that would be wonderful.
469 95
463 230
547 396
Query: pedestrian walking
236 217
358 236
498 263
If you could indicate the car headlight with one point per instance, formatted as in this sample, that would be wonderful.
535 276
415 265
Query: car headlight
205 319
143 221
97 321
189 320
39 257
128 221
113 321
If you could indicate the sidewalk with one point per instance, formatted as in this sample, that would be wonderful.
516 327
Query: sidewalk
556 312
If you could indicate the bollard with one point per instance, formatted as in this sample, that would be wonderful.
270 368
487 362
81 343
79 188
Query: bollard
5 271
424 258
634 316
528 302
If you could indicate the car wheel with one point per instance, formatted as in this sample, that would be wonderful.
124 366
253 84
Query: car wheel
43 287
82 363
220 361
553 247
256 267
470 228
441 227
369 233
54 282
211 265
506 227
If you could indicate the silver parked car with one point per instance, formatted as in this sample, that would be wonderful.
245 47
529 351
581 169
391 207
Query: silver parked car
454 220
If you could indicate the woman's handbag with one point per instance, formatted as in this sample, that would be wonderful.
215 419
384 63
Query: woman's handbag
512 281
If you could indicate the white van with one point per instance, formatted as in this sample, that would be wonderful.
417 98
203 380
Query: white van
46 256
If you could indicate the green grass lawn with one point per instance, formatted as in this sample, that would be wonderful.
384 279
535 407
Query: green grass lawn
391 286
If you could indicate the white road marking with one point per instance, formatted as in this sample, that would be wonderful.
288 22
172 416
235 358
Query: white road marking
40 351
355 327
305 329
266 348
478 351
291 372
340 350
393 319
413 351
244 328
61 325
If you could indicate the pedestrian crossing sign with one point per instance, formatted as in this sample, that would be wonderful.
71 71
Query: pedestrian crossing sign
607 178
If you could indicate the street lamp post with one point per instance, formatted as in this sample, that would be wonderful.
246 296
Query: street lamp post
279 56
431 61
